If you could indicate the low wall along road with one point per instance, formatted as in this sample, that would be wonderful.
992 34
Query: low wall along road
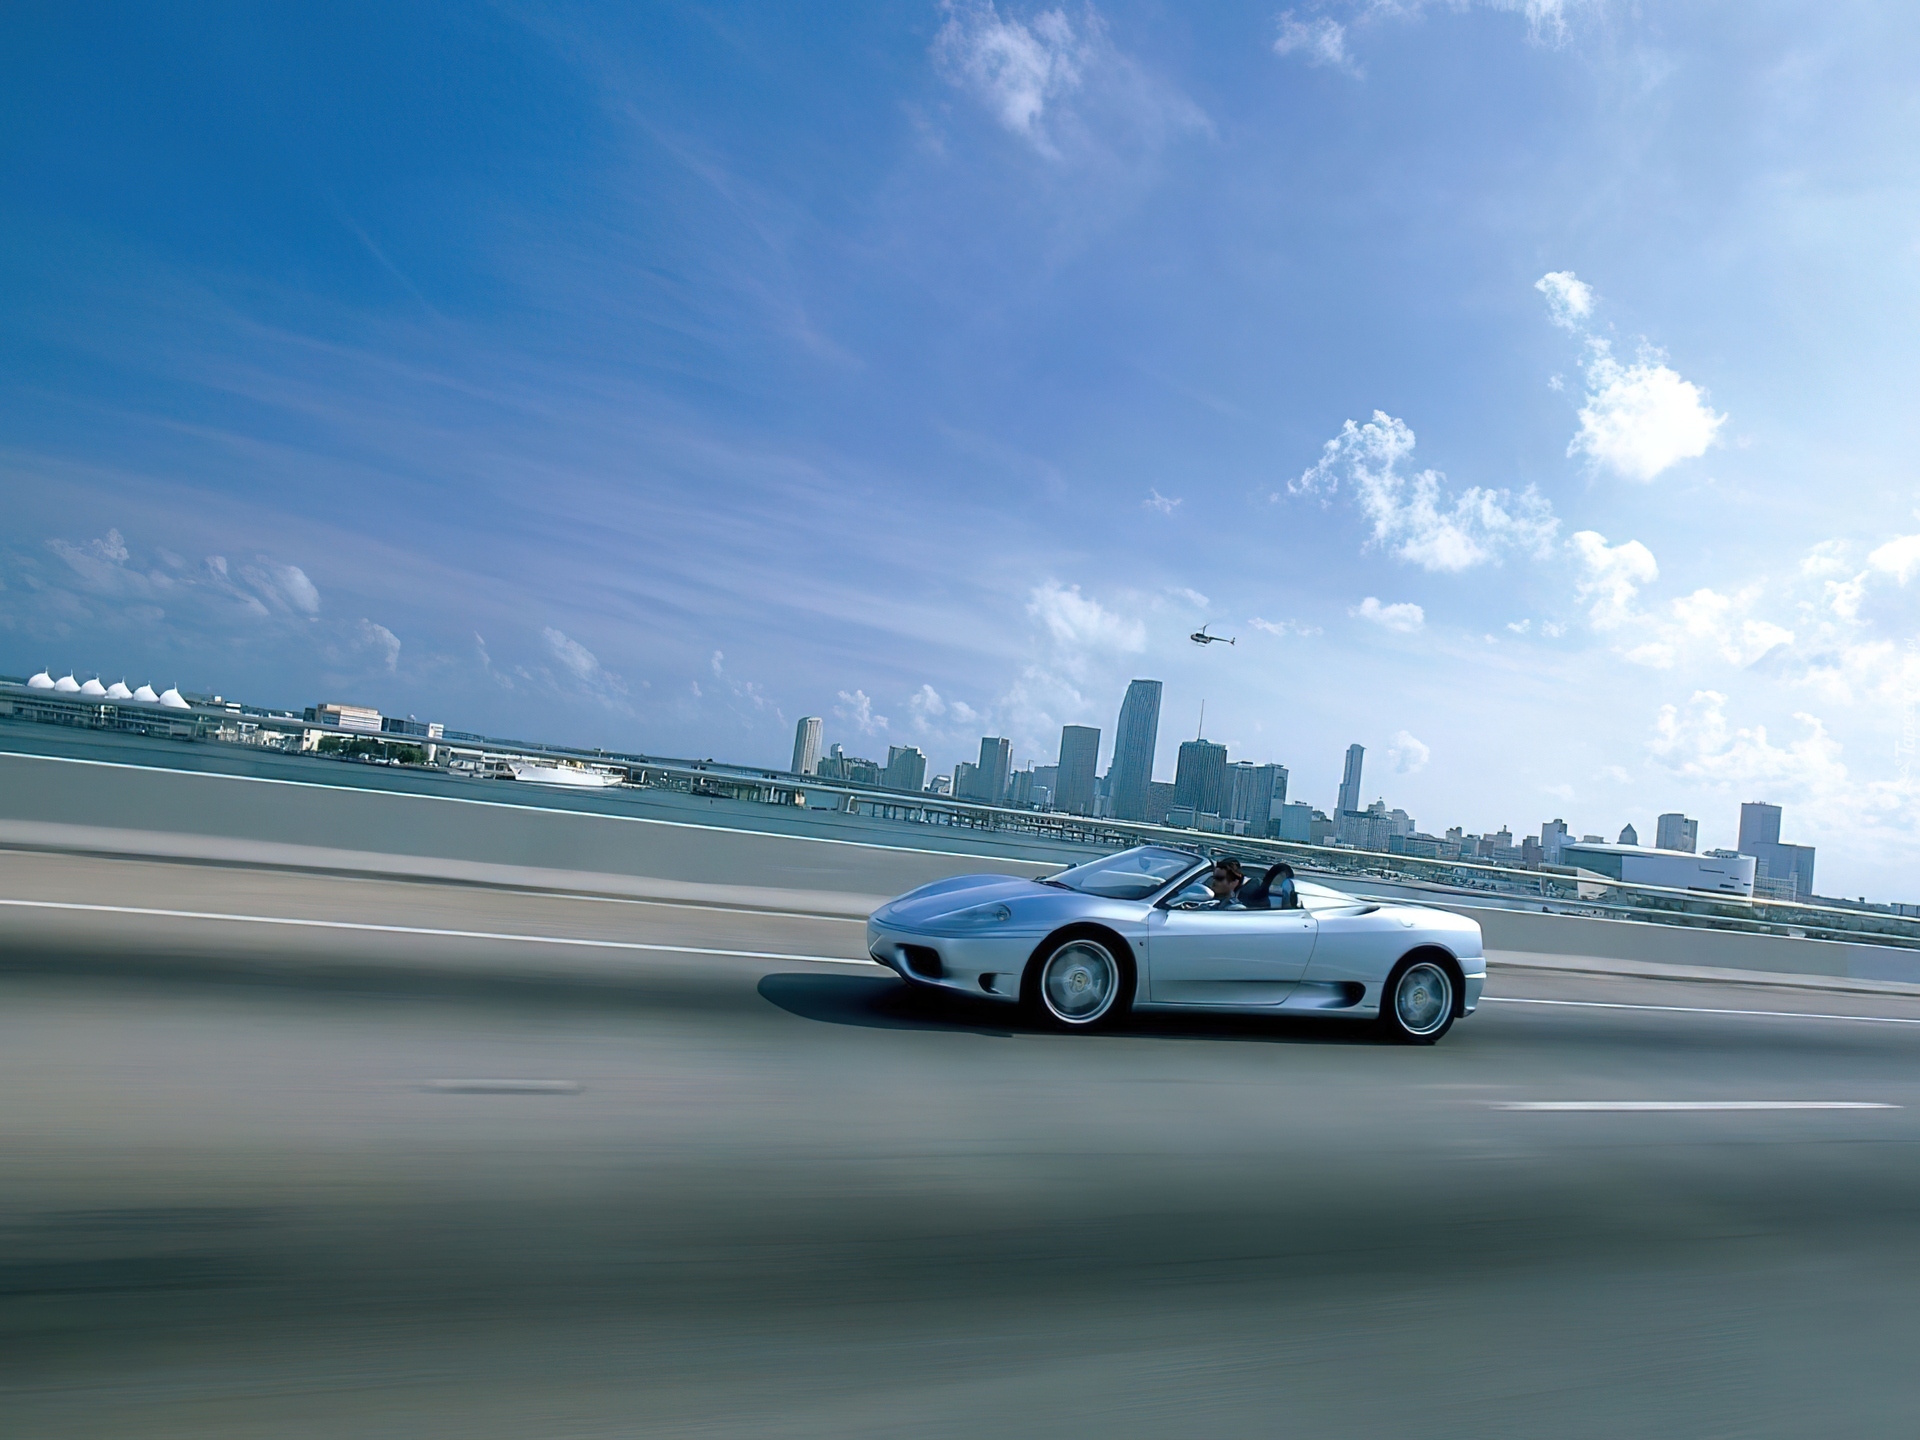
662 845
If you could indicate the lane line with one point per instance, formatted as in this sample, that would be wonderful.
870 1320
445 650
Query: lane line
151 912
1700 1010
1666 1105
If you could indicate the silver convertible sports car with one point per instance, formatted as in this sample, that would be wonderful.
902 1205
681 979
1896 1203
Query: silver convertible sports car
1141 930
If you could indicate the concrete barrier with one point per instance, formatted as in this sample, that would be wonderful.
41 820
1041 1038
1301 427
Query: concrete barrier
724 852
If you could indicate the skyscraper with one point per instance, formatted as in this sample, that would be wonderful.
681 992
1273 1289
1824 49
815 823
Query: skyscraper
1255 794
1133 745
1553 834
1200 779
989 778
1674 831
806 746
1350 781
906 768
1079 758
1759 825
1781 871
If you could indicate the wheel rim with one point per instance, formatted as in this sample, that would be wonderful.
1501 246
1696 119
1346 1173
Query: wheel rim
1423 1000
1079 982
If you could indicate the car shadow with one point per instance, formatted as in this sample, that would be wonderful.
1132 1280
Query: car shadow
887 1003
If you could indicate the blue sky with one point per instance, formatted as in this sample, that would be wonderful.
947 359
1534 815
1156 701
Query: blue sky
1528 387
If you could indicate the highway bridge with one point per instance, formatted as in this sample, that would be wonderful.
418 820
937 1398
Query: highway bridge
304 1149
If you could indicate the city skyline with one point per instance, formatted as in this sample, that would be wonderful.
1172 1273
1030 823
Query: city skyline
649 384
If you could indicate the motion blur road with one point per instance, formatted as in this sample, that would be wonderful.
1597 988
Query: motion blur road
274 1180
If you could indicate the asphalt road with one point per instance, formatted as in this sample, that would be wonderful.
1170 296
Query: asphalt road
271 1181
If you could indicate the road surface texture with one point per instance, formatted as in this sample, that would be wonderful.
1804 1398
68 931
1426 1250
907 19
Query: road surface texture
388 1181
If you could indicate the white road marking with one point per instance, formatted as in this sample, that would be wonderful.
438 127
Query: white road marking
1700 1010
1664 1105
365 927
506 1087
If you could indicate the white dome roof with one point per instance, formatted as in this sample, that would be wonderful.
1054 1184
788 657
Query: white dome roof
93 687
173 699
42 681
146 696
118 691
67 685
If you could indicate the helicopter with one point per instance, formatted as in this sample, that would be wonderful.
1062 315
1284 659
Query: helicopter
1201 637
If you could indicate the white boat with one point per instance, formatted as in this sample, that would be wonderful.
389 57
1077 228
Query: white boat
561 773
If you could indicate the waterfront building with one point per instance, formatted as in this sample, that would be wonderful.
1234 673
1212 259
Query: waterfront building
1255 794
1717 872
1553 834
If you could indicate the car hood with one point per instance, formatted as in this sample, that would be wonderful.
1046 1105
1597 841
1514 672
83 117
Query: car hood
943 897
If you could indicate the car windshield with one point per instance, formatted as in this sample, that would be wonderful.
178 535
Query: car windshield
1130 875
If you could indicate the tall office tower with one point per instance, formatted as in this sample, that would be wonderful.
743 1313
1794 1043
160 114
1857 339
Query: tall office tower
1673 831
1787 870
1200 778
1759 825
963 780
1553 834
1628 835
806 746
1255 794
906 768
995 769
1079 758
1350 780
1133 742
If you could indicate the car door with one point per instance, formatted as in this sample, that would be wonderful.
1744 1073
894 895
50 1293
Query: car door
1205 956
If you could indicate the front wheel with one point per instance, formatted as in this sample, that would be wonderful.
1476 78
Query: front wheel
1079 983
1417 1004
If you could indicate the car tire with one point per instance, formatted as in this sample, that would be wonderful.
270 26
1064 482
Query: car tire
1079 981
1419 1000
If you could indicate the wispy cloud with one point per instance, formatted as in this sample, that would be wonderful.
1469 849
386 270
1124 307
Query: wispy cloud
1416 515
1164 504
1319 40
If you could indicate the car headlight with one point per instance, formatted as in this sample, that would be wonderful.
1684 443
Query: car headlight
977 916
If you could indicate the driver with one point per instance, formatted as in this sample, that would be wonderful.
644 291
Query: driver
1224 881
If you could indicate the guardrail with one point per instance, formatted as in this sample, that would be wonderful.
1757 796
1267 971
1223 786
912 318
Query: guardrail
1461 881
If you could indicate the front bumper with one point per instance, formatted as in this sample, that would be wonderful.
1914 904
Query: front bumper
986 967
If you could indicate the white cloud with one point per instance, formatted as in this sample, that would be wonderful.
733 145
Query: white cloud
1520 627
1614 576
1408 754
1016 68
1080 624
283 585
1416 515
1698 741
1164 504
857 710
1722 622
1641 419
379 638
1320 40
1405 617
1899 558
1283 627
1569 299
576 659
1192 596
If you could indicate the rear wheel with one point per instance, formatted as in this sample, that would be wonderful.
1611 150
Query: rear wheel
1417 1003
1078 983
